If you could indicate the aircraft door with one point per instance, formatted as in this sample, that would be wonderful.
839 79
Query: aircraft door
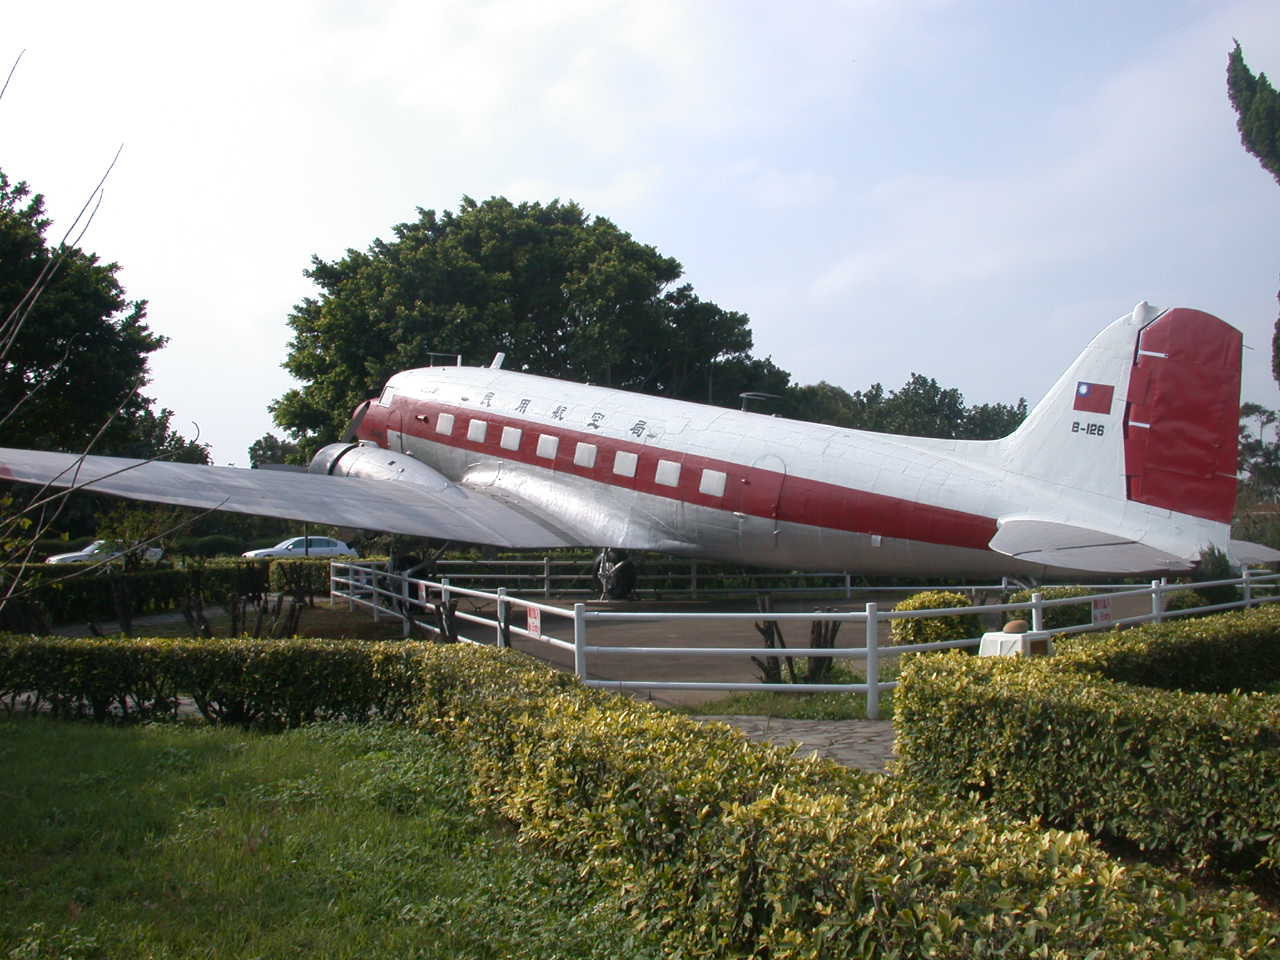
759 504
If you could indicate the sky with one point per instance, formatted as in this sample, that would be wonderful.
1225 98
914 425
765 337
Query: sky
968 190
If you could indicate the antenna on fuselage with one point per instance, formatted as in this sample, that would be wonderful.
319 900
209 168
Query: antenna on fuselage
756 395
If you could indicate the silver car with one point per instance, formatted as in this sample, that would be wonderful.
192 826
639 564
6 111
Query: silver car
104 550
303 547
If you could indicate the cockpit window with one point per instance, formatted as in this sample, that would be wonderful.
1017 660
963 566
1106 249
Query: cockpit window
388 394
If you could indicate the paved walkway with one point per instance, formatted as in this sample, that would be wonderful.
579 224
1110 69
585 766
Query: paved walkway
864 744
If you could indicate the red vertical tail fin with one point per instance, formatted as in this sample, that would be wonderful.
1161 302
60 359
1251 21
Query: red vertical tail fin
1182 417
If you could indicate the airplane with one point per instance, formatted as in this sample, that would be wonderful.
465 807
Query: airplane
1127 466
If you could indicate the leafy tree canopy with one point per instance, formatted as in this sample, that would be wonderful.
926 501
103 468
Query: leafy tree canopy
269 448
561 293
1257 107
921 408
81 352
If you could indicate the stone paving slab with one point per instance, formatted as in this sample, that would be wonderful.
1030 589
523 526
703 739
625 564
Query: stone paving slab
864 744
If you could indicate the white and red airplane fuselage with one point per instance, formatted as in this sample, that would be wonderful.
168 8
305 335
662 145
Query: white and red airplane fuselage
614 468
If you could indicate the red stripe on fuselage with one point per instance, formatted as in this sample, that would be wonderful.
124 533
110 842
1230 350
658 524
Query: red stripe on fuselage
750 490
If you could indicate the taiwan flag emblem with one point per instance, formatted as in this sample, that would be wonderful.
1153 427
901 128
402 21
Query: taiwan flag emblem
1094 397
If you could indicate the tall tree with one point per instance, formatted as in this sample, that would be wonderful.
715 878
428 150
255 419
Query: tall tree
1257 107
559 292
74 364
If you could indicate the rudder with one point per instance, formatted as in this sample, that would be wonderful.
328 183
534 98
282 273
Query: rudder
1147 414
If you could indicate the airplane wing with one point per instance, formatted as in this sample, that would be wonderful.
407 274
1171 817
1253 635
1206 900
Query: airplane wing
1242 551
441 510
1077 548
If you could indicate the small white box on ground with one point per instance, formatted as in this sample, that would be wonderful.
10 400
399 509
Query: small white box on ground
1033 643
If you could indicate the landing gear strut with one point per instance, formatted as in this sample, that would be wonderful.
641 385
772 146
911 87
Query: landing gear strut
614 574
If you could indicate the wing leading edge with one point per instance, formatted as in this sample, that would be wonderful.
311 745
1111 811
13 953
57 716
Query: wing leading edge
445 512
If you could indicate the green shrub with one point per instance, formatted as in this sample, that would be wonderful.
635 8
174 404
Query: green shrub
1136 734
300 577
214 545
1183 600
1216 565
934 629
1067 615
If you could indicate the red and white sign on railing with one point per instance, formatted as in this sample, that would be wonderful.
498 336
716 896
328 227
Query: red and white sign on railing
535 620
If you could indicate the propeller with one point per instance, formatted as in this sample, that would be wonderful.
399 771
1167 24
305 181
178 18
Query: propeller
357 418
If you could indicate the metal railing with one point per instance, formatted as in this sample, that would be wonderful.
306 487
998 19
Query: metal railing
663 579
433 606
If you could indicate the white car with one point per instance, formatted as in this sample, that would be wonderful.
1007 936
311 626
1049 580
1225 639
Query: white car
296 547
103 550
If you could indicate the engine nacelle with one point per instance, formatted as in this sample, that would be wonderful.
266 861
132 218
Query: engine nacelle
371 462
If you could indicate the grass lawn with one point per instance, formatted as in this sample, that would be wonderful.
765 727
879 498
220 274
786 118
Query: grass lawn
188 841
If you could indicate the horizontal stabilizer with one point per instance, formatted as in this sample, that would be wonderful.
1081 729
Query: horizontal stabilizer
1077 548
446 511
1244 553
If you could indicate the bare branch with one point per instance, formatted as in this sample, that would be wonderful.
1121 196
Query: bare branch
11 72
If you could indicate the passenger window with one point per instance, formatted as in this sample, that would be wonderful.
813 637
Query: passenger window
712 483
624 463
667 474
585 455
476 430
511 438
444 424
548 446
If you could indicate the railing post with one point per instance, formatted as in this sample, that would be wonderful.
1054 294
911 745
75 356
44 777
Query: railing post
848 585
1157 601
693 580
333 582
1037 611
873 662
1245 574
580 640
406 618
546 578
504 639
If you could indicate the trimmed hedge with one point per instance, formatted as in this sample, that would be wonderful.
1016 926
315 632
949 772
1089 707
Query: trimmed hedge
155 590
1134 735
727 848
251 683
723 847
934 629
